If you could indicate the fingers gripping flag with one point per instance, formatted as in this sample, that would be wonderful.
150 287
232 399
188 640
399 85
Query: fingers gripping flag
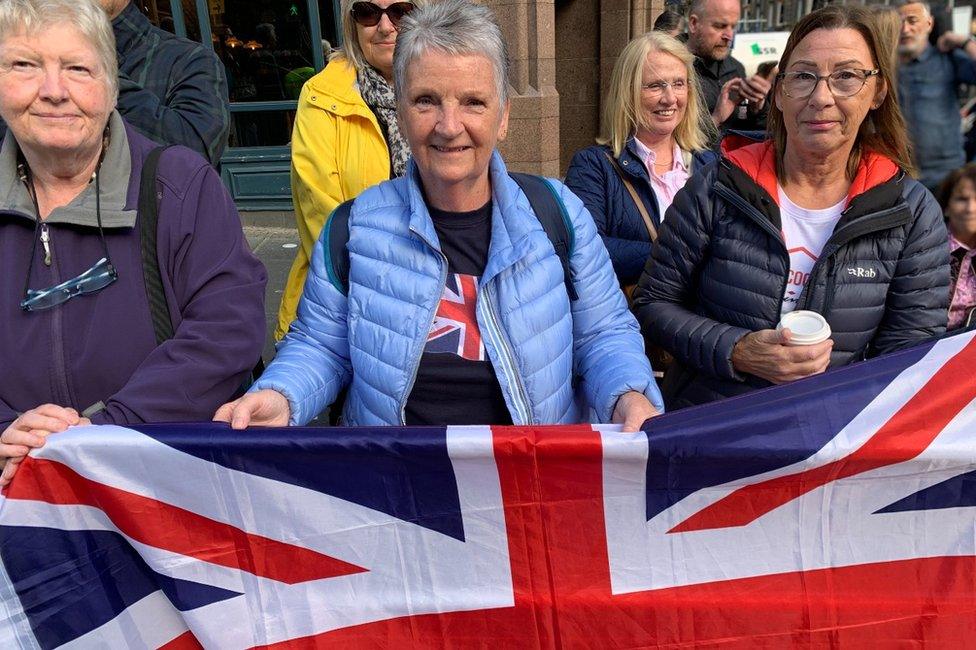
838 510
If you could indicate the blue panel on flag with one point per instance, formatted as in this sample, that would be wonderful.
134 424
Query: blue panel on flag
71 582
406 473
957 492
696 448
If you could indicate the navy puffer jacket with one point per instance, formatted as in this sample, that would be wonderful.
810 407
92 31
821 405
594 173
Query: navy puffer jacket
720 267
593 179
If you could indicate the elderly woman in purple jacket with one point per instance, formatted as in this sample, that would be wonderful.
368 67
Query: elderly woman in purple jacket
79 339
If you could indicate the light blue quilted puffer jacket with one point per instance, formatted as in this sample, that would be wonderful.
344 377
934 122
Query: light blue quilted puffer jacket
537 341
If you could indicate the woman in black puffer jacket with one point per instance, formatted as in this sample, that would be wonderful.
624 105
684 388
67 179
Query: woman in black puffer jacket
823 217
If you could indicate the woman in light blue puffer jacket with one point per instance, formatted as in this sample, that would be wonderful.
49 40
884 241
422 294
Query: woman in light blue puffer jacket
456 309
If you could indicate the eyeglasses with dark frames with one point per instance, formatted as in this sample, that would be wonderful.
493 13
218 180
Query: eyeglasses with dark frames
841 83
368 14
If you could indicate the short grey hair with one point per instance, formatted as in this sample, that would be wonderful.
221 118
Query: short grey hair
925 5
455 27
32 17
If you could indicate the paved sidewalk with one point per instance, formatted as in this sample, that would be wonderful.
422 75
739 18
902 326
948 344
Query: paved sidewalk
275 244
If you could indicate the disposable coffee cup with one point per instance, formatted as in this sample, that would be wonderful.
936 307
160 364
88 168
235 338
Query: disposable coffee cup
807 327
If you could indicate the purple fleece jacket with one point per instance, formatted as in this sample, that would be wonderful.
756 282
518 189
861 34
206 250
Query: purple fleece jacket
101 347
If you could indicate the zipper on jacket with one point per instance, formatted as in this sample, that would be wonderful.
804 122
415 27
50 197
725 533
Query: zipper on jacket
520 397
868 224
46 243
60 383
430 323
725 192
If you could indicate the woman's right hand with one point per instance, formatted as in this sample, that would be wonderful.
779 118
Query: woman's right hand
264 408
29 431
767 354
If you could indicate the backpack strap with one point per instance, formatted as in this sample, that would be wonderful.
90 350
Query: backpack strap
551 213
337 236
148 225
546 205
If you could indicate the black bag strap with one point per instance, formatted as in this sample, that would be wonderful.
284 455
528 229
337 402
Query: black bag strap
148 225
338 235
546 205
551 213
148 218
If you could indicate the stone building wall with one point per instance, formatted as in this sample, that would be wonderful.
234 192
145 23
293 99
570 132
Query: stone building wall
562 55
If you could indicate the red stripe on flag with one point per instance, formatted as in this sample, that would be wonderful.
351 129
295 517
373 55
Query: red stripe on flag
552 485
174 529
185 641
906 435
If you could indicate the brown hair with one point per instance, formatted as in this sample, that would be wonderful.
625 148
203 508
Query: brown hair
948 184
883 131
889 30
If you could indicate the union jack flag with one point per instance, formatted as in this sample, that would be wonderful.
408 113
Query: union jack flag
837 511
455 328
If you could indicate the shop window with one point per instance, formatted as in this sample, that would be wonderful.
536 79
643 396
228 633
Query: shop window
261 128
265 47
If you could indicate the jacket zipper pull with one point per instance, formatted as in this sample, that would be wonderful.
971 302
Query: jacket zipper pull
46 242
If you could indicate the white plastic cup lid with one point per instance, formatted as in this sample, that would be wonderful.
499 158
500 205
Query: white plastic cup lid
807 327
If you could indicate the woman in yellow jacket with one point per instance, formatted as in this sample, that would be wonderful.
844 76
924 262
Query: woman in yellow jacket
346 136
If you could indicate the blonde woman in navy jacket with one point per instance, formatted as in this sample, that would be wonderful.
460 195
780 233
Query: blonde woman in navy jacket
656 136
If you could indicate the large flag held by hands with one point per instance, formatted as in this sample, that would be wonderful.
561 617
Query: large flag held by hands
837 511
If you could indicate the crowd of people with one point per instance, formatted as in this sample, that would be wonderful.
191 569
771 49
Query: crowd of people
433 286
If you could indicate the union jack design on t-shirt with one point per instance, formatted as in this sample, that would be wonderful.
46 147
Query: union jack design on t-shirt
455 327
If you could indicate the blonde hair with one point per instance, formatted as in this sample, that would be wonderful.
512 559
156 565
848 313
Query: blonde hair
350 49
889 31
622 114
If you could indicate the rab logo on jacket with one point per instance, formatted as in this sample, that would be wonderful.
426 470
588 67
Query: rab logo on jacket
861 272
455 327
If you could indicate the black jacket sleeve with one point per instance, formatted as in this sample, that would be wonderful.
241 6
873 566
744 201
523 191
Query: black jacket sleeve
665 298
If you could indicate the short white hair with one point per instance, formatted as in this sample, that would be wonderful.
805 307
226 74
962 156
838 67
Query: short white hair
455 27
32 17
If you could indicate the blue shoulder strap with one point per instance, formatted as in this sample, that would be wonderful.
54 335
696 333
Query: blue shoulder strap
546 205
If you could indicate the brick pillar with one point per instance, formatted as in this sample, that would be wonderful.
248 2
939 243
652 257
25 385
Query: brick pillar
533 135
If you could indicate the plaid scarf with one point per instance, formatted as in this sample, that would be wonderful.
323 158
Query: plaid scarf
379 96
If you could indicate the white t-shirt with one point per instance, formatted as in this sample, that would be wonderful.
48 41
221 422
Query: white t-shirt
805 233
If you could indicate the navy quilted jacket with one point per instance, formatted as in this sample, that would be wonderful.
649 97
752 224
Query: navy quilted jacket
592 178
720 266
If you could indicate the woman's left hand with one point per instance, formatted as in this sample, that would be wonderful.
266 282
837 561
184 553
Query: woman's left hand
29 431
632 410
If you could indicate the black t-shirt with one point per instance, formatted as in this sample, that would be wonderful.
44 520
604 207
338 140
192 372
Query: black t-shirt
456 383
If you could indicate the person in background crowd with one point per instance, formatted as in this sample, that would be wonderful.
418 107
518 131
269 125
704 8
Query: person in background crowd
346 135
457 234
80 341
671 23
957 195
733 100
656 135
928 78
171 89
889 29
768 70
822 217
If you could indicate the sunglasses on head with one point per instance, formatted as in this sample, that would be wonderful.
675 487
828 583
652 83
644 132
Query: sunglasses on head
368 14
